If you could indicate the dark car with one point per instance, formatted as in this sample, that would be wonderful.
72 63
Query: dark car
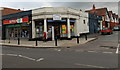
116 28
106 31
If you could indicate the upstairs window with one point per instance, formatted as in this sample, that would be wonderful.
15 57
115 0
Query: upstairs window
84 21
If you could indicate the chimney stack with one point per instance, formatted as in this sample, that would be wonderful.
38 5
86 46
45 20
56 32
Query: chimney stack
93 6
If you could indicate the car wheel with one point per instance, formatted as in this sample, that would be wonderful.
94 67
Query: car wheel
102 33
110 33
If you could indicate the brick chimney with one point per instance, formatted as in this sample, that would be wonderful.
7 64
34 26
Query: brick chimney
93 6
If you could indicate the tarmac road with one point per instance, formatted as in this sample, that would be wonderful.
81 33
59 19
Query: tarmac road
75 57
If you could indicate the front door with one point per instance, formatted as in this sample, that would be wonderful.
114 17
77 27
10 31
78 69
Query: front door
57 31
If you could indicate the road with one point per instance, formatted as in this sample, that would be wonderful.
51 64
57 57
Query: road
89 55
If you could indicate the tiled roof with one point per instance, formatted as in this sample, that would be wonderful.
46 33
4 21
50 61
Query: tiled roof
110 12
7 11
99 12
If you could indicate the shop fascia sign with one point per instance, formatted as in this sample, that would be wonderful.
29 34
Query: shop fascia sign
16 20
56 16
20 20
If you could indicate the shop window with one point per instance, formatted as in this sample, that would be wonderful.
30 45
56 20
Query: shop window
72 30
63 30
39 31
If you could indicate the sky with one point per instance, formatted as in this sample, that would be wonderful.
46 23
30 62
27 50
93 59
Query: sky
112 5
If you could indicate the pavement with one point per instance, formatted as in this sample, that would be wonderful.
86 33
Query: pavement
49 44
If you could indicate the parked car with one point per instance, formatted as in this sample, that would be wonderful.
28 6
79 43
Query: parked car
106 31
116 28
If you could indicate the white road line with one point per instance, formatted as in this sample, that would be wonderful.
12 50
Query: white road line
40 59
11 54
57 49
89 65
107 52
92 51
27 57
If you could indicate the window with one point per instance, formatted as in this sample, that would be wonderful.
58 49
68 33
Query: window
84 21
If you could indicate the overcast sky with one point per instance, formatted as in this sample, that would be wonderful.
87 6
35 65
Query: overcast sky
27 5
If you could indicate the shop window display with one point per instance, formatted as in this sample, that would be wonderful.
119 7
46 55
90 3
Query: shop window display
21 32
39 31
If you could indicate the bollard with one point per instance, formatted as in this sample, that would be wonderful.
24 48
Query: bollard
77 39
36 43
85 36
18 41
9 40
55 41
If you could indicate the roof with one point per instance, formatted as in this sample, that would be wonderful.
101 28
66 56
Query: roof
99 12
115 16
6 11
110 12
19 14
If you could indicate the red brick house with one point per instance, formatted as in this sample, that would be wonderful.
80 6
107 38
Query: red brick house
101 12
114 19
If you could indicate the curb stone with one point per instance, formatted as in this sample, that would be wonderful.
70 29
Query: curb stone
8 45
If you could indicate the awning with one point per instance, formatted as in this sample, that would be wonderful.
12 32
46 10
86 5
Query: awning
16 25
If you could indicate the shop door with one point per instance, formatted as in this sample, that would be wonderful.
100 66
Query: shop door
16 32
57 31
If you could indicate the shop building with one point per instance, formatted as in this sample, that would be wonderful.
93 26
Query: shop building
17 25
45 23
60 22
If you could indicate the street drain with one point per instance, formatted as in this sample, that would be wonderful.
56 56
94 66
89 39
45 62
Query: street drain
110 47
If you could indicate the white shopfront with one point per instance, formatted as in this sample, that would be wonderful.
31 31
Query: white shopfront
62 22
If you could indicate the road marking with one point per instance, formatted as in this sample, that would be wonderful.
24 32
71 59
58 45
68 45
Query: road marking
92 51
27 57
11 54
89 65
107 52
57 49
40 59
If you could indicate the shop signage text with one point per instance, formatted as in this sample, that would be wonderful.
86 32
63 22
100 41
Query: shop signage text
56 17
20 20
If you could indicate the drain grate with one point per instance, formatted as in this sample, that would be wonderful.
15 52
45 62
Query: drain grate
111 47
